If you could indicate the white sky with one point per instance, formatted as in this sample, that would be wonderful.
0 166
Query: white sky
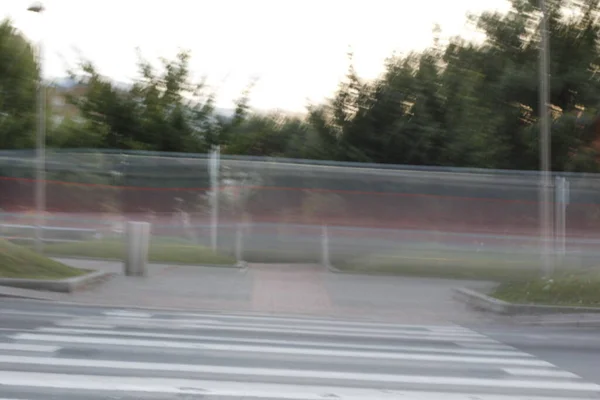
296 48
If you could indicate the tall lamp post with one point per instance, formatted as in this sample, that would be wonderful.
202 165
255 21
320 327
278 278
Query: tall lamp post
545 187
40 179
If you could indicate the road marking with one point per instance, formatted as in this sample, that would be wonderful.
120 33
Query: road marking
355 346
323 322
289 373
83 324
29 347
170 324
546 373
495 345
283 350
399 330
39 314
126 313
10 399
117 319
327 328
233 389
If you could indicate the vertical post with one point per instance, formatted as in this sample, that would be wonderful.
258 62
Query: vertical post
545 184
214 175
325 246
239 231
138 239
239 242
40 181
562 200
557 212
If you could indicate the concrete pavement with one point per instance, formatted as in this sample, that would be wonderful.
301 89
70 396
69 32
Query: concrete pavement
300 289
53 351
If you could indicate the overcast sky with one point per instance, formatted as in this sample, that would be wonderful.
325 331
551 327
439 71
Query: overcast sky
296 48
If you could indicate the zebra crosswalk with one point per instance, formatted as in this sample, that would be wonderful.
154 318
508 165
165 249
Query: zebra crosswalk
133 355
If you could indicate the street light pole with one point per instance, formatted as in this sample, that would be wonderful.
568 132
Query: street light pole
40 181
545 169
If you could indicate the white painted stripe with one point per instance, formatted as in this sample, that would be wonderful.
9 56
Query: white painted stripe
323 322
289 373
339 328
407 331
36 313
118 320
542 373
495 345
216 318
83 324
283 350
112 323
29 347
13 330
356 346
233 389
126 313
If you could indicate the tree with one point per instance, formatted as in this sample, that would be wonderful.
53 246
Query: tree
475 105
274 135
19 74
161 111
164 110
464 104
174 113
73 133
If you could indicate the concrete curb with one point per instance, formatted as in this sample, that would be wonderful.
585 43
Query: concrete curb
336 270
486 303
68 285
562 320
333 269
236 265
27 294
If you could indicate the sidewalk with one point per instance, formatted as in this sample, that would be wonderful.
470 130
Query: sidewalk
281 289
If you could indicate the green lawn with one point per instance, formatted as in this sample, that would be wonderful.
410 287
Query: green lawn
21 262
574 289
160 252
518 274
455 265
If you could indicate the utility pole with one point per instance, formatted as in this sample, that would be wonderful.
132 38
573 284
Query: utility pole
546 231
40 178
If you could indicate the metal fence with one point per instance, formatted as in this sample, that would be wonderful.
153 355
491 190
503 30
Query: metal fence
280 206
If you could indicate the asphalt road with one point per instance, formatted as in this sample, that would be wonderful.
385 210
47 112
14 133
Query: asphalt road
59 351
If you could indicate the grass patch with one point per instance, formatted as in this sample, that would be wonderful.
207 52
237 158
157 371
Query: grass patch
159 252
454 265
281 256
21 262
574 289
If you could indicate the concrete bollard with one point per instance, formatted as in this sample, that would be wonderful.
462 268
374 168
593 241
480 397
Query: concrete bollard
239 242
138 242
325 246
